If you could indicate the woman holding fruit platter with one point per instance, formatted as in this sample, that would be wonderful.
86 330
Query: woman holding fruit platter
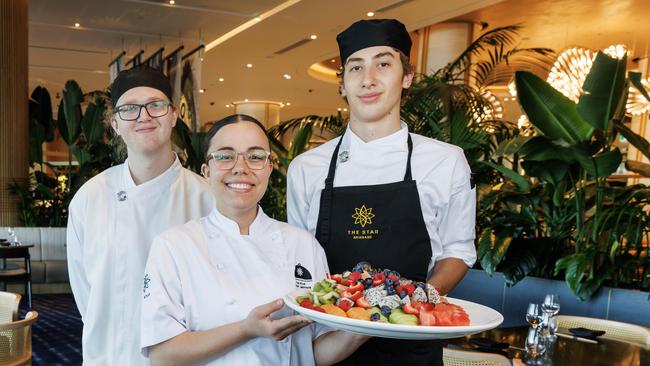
383 195
211 286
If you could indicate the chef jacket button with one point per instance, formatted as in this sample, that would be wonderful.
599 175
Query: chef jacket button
220 265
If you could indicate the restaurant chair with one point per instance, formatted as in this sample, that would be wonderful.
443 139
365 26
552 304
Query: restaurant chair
20 274
630 333
16 341
458 357
8 306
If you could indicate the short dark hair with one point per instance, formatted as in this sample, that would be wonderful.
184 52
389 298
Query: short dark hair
233 118
407 68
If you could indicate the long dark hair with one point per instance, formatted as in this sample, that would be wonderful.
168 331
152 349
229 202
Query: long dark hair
233 118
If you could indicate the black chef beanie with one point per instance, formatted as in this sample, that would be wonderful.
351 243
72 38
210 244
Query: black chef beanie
139 76
373 32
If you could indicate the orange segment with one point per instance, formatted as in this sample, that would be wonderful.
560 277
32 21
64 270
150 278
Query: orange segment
333 310
358 313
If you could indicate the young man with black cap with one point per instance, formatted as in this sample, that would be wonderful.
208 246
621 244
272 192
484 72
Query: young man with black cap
381 194
116 214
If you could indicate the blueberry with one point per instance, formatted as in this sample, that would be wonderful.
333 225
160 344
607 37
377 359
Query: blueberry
374 317
395 273
385 310
388 282
386 272
390 291
402 294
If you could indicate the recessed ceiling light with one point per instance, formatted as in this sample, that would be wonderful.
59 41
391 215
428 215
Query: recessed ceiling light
77 25
288 103
281 105
172 2
249 66
506 99
333 60
370 14
246 100
345 109
287 76
201 90
221 80
313 36
227 105
339 109
257 19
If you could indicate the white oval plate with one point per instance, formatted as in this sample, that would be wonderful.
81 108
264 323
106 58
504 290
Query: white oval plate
481 319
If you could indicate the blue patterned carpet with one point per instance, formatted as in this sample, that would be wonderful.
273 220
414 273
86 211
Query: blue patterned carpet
56 336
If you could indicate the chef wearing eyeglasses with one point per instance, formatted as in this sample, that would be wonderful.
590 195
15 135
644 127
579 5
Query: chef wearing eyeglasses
212 286
116 214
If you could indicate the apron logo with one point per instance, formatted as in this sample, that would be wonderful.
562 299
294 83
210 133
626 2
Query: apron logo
363 216
303 277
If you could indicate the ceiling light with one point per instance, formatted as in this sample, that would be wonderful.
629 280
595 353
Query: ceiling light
288 103
345 109
257 19
370 14
246 100
77 25
506 99
281 105
339 109
313 36
227 105
172 2
201 90
249 66
287 76
333 60
221 80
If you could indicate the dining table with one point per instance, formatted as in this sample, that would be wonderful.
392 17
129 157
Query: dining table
563 350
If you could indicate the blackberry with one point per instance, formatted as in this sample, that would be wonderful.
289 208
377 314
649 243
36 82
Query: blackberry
385 310
374 317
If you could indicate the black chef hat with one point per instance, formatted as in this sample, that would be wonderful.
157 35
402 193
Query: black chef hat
139 76
373 32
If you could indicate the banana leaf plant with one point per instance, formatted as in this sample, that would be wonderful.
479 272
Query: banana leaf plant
563 215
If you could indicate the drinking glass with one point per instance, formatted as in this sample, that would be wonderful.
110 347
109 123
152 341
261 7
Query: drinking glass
534 317
551 307
12 236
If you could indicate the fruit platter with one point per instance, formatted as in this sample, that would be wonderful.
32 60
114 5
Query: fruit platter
379 302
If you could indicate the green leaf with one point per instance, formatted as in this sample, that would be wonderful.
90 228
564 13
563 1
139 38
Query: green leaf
40 110
601 165
71 104
635 79
82 155
552 171
92 122
300 142
492 248
522 258
541 148
512 146
603 89
633 138
36 138
521 182
555 115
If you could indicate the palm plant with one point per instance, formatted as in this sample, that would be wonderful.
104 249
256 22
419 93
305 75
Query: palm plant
564 215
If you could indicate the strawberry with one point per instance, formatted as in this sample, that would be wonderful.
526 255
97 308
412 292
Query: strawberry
348 282
318 308
410 288
363 303
351 295
354 276
340 288
393 278
422 306
358 287
346 304
306 304
378 279
337 277
409 309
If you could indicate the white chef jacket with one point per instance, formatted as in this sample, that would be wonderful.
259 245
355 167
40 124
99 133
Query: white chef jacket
440 170
205 274
111 225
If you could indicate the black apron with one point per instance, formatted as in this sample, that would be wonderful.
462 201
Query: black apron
383 225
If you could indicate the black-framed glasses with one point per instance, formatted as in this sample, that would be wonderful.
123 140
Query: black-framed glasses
131 112
225 159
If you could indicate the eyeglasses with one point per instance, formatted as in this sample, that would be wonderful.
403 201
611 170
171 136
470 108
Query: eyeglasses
226 159
131 112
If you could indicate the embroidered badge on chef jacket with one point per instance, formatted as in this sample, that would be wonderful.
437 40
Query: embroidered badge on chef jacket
344 156
121 196
145 288
303 277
